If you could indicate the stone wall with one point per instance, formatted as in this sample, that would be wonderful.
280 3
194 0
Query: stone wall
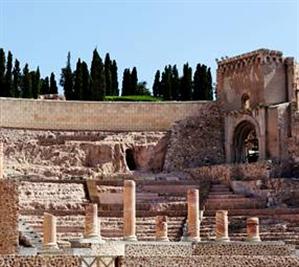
227 172
211 254
105 116
40 261
9 234
196 141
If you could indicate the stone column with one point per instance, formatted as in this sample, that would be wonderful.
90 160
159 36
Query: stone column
49 231
253 229
222 226
193 215
91 221
129 210
161 228
1 160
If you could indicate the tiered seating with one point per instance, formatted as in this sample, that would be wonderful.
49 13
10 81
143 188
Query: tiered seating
275 223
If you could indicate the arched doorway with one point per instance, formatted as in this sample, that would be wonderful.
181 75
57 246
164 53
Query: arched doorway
246 143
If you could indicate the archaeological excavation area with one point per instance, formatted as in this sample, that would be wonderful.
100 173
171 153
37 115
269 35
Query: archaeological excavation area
201 183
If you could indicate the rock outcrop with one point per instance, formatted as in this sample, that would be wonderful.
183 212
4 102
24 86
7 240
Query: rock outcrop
53 154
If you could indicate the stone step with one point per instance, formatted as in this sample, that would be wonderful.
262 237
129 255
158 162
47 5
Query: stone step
221 196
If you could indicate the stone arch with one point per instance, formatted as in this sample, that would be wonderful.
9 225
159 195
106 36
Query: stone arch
246 142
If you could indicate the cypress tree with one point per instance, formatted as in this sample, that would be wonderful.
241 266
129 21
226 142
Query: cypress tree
114 81
45 86
26 83
134 82
209 95
186 83
16 90
166 83
8 76
35 79
53 85
175 84
78 82
66 79
126 83
156 85
2 72
97 75
108 74
197 83
86 89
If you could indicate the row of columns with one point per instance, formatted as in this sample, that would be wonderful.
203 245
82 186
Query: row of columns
92 223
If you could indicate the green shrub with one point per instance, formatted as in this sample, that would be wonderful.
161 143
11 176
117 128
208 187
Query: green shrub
135 98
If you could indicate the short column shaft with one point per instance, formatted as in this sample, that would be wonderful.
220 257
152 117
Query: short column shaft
222 225
129 200
193 215
161 228
91 221
253 229
49 231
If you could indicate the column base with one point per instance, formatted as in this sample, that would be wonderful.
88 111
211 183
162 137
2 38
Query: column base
130 238
50 249
162 239
254 239
92 240
222 239
193 239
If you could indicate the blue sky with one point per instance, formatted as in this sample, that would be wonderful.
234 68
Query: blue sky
145 34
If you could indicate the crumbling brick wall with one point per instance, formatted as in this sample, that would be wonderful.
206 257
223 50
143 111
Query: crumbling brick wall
9 235
197 140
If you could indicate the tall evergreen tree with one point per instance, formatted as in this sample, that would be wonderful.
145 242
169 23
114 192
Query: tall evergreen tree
8 76
108 74
186 83
175 84
166 83
126 83
45 86
209 95
156 85
16 90
78 81
35 80
134 82
66 79
2 72
97 75
197 90
114 80
86 94
53 84
26 83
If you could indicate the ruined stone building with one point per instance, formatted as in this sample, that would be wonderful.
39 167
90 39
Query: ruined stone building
144 184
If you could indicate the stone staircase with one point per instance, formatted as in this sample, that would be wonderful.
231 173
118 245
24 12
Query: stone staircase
276 224
66 201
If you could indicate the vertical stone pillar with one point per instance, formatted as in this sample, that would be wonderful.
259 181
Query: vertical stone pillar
253 229
193 215
49 231
91 221
161 228
129 210
222 226
1 160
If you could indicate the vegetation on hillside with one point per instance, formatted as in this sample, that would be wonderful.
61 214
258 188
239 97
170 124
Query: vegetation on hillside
100 80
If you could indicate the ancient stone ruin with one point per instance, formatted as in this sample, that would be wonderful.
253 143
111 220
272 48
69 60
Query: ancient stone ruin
202 183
